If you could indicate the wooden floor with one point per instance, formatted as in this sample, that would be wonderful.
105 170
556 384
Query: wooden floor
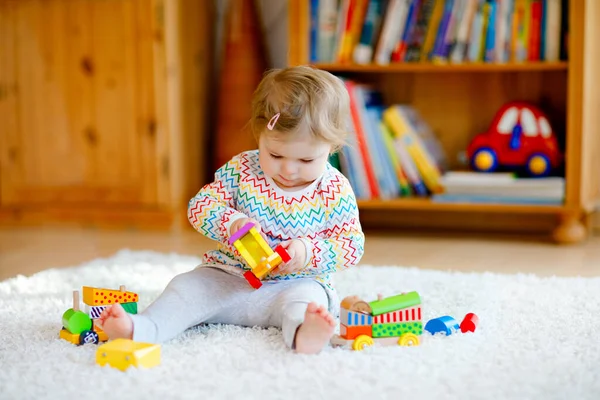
29 250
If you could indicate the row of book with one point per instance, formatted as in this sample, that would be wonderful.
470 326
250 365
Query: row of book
392 152
439 31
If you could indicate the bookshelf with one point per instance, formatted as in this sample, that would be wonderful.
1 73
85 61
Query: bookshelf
459 101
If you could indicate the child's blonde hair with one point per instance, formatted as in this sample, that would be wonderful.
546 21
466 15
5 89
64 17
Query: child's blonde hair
306 99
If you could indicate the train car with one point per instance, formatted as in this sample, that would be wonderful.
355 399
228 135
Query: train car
395 320
78 326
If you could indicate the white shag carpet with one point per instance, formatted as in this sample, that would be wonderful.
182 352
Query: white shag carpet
537 339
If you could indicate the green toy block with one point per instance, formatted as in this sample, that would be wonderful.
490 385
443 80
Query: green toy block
394 303
76 321
131 308
397 329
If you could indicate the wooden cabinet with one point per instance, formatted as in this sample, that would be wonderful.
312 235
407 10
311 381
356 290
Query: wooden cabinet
103 109
460 101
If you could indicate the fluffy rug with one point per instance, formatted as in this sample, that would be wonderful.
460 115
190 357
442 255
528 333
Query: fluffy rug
537 339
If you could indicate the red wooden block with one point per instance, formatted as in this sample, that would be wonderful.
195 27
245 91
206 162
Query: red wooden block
252 279
469 323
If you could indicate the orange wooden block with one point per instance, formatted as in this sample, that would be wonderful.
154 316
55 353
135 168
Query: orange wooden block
96 296
351 332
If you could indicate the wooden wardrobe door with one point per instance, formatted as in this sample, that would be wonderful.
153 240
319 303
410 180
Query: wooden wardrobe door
79 101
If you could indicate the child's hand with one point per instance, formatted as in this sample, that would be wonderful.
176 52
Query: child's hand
297 251
239 223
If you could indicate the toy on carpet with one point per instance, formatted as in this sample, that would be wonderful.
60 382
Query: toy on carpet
78 326
519 138
257 253
447 325
394 320
125 353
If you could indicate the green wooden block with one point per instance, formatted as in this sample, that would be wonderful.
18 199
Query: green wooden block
76 321
397 329
394 303
131 308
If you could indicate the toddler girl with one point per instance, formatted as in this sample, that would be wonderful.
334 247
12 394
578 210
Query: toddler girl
295 198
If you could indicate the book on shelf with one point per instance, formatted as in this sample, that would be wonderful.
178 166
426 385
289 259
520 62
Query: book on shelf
392 152
438 31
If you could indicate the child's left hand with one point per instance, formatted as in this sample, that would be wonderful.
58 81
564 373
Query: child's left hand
297 251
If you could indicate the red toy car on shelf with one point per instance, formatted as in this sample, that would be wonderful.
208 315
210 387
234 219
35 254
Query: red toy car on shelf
520 136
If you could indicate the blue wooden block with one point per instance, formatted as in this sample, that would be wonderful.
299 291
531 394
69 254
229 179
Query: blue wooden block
445 325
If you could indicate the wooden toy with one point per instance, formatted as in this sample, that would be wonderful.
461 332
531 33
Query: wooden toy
388 321
520 137
446 325
75 320
257 253
78 327
97 297
469 323
125 353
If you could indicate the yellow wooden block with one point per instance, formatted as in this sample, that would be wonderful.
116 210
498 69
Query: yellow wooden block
97 297
125 353
253 247
267 265
69 337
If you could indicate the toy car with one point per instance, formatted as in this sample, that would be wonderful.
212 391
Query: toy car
520 137
257 253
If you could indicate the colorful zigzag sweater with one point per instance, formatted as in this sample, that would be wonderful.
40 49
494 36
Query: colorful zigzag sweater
324 214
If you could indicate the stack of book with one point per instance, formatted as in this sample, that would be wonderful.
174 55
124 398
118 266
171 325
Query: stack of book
499 188
384 31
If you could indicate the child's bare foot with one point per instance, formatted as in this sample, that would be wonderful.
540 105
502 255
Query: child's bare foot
315 331
116 322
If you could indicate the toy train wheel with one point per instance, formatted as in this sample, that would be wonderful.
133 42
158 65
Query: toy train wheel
285 257
408 339
89 337
252 279
538 164
361 342
485 160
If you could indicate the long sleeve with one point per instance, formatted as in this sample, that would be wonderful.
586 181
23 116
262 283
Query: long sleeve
341 244
212 210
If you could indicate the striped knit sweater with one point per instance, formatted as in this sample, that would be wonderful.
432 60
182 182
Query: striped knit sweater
324 215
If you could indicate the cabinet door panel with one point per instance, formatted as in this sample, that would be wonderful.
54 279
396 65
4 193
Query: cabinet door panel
82 109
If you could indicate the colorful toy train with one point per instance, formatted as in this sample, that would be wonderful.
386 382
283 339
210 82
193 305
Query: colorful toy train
257 253
387 321
395 320
78 326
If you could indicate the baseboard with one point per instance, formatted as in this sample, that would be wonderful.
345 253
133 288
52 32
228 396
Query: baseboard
94 217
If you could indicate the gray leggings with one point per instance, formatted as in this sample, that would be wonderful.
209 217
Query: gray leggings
211 295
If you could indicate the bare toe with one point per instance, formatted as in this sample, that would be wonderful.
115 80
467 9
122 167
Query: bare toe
312 307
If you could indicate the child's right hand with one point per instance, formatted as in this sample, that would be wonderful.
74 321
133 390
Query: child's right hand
239 223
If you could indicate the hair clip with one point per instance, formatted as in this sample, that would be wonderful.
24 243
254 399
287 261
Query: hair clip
272 122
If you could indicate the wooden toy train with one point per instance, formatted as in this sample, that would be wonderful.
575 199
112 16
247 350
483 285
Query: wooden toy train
257 253
78 326
395 320
387 321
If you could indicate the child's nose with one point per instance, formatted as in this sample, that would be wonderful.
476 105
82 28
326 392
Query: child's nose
289 167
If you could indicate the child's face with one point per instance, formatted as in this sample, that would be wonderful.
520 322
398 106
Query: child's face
292 162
